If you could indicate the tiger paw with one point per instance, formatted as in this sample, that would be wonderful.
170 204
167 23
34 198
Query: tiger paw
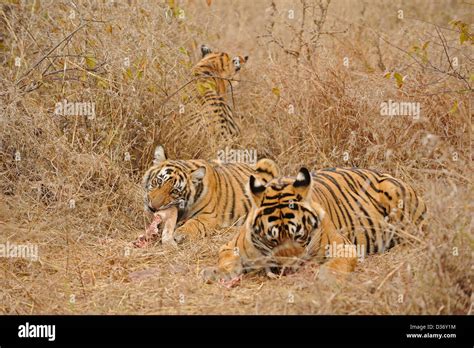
182 235
169 242
330 275
179 236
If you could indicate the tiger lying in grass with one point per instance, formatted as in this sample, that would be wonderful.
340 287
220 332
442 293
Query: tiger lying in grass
295 219
207 195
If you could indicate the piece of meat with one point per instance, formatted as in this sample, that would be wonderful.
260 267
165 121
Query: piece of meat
151 235
231 283
162 226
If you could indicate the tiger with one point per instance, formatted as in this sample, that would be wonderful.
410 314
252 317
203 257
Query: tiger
217 68
330 216
208 195
211 76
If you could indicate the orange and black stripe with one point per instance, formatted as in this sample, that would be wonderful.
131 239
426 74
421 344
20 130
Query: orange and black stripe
215 193
213 72
301 216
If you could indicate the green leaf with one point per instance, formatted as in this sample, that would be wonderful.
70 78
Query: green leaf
454 108
102 83
463 37
202 87
276 91
399 79
454 23
91 62
129 73
177 11
183 51
387 75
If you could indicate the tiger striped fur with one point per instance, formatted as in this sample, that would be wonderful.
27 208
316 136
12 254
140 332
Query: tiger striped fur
300 218
208 195
211 78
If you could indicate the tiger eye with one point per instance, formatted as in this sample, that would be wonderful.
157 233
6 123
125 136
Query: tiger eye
156 181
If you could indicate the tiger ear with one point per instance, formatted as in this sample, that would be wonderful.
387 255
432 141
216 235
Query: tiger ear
198 174
302 182
246 58
159 155
256 188
267 170
205 50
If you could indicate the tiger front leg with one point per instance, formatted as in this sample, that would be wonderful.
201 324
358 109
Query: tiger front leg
169 216
229 267
340 254
193 229
343 265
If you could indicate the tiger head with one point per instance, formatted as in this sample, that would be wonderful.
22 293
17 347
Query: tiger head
218 63
170 183
283 221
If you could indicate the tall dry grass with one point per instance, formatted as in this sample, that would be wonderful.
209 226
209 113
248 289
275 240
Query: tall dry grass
320 110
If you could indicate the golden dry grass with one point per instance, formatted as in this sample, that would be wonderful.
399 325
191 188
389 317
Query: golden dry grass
86 264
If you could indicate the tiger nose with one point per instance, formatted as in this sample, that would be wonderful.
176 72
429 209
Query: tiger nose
288 249
154 200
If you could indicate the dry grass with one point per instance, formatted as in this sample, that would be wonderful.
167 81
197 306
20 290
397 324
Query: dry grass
86 265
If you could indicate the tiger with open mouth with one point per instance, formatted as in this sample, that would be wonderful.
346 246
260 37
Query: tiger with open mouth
207 195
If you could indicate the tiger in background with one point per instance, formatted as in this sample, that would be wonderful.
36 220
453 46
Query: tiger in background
212 111
208 195
311 216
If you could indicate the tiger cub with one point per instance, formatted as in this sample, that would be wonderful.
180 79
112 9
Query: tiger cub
216 67
212 113
208 195
322 217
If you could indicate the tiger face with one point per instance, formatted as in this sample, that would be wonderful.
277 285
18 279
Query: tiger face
167 183
221 63
284 221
